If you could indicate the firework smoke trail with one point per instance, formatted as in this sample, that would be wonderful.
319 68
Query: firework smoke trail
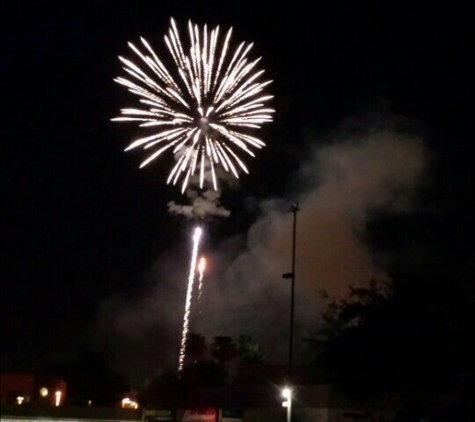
202 111
189 295
201 269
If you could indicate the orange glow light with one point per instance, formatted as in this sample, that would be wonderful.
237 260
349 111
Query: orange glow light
129 404
57 398
202 265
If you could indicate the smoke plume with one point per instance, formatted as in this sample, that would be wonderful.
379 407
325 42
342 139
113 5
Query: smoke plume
345 182
202 205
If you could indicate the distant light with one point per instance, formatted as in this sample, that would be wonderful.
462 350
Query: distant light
20 400
202 264
129 404
43 391
286 393
89 403
57 396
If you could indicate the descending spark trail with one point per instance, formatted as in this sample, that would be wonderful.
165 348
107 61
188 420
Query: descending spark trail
201 269
204 109
189 295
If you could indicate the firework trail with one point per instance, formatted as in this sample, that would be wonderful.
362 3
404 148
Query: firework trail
189 295
204 109
201 269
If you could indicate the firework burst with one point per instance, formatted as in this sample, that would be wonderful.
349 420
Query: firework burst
204 110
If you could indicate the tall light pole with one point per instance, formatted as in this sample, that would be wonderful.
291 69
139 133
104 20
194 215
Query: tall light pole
291 275
287 394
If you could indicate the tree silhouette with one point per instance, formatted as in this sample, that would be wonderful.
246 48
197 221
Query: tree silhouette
407 339
223 349
196 347
204 367
248 349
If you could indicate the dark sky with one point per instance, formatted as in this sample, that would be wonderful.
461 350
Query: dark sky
87 235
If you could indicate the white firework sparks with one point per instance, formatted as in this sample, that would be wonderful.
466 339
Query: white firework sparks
201 270
203 110
189 295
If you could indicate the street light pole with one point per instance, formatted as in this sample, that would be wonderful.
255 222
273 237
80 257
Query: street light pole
291 275
287 394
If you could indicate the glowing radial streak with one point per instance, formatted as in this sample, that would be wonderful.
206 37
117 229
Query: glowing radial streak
189 295
202 169
213 175
175 170
202 110
222 57
243 166
224 156
214 38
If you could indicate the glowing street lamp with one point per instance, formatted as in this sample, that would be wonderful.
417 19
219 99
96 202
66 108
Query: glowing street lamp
57 398
287 394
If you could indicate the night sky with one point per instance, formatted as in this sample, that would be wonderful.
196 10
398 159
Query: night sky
374 105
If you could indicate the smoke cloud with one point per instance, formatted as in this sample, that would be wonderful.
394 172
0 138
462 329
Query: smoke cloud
202 205
345 182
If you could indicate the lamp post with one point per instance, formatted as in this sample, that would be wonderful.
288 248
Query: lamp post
291 275
287 394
